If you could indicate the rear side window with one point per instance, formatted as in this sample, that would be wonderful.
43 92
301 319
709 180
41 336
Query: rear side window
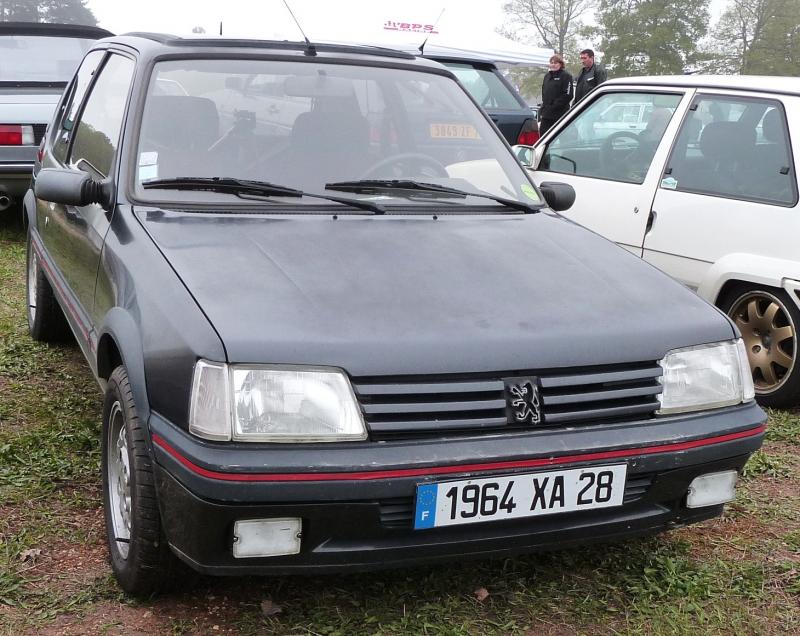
734 147
485 87
97 131
75 96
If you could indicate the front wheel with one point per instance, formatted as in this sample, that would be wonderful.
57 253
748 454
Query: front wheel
768 320
140 558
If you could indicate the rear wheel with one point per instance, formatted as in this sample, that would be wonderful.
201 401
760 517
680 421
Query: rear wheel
46 321
140 557
768 320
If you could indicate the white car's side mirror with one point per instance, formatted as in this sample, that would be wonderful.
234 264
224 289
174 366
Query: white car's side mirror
524 154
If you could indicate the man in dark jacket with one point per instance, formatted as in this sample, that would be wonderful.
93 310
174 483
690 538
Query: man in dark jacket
556 94
592 75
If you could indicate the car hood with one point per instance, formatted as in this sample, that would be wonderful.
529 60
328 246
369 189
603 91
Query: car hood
414 294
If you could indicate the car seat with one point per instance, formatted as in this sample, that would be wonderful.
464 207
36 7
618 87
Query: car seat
180 128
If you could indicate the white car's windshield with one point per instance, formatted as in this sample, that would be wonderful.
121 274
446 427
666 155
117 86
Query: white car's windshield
307 124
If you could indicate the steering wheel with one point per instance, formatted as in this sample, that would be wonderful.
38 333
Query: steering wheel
611 153
407 164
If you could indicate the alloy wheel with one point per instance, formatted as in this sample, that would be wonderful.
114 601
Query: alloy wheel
33 281
769 336
119 480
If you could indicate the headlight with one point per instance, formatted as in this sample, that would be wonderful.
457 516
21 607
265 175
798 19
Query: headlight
273 404
705 377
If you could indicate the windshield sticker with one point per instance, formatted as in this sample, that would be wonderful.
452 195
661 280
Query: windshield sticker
670 183
148 166
528 191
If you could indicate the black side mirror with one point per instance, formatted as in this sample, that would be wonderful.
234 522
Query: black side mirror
559 196
71 187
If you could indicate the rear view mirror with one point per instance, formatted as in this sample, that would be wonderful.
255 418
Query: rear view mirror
71 187
559 196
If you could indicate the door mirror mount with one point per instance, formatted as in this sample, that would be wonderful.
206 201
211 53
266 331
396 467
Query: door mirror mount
72 187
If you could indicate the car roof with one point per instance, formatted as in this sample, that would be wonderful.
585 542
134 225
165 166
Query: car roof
155 44
53 30
760 83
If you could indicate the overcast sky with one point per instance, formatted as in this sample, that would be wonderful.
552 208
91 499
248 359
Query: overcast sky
339 19
350 20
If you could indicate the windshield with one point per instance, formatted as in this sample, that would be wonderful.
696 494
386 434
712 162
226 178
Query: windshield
307 124
31 58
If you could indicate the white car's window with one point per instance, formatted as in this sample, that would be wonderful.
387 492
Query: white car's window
734 147
614 138
306 124
97 131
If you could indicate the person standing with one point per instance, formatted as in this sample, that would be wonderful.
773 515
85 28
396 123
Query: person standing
556 94
592 75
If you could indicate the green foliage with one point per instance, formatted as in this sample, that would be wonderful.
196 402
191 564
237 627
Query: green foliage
58 11
554 23
651 37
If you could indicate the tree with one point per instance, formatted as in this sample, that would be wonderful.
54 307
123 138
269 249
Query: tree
555 22
61 11
651 37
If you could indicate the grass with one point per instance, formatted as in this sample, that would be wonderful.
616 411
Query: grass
737 575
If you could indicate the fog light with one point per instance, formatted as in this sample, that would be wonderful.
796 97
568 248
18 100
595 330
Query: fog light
712 489
266 537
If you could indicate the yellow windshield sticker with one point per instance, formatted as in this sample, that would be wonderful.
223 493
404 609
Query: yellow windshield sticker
529 191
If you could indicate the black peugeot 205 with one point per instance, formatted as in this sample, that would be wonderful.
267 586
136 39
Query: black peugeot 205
331 338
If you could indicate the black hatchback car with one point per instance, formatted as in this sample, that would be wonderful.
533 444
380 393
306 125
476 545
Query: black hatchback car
330 337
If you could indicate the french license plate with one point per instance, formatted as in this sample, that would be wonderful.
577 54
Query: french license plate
453 131
453 503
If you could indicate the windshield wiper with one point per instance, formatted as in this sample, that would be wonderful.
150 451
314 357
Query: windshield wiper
381 185
247 187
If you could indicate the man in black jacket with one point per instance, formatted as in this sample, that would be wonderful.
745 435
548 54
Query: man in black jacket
556 94
592 75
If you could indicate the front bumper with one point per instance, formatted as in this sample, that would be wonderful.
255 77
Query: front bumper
358 513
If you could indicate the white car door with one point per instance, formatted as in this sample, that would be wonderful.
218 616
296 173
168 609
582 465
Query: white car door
614 166
729 186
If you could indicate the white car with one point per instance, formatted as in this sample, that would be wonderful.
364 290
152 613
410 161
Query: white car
706 190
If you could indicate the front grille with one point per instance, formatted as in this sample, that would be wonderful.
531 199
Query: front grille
399 512
430 406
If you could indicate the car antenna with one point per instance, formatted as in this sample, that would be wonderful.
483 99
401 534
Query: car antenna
220 27
310 48
433 28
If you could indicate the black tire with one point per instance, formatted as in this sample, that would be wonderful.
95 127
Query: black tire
769 322
140 557
46 321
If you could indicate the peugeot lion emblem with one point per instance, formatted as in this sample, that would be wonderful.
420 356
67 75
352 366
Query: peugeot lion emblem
525 402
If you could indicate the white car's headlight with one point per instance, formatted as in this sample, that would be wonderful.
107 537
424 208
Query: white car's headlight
273 404
705 377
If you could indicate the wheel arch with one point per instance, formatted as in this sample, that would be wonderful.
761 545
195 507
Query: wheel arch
120 342
29 209
748 269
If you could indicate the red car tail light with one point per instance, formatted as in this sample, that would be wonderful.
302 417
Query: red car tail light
16 135
529 134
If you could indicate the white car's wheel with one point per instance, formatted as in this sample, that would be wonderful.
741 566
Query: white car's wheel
769 322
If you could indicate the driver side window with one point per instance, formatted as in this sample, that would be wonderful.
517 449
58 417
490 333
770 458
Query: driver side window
614 138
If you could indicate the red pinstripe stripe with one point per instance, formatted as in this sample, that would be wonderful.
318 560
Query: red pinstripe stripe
461 468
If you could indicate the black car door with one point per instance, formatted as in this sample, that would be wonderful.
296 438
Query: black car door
73 235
